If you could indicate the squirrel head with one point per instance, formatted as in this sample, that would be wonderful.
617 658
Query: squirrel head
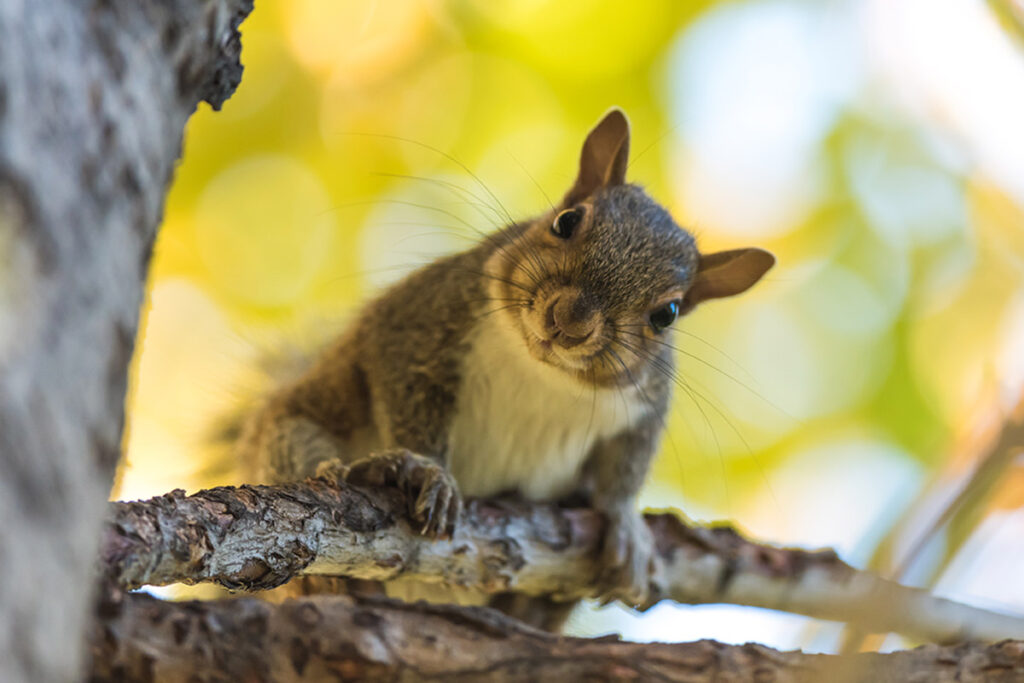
598 282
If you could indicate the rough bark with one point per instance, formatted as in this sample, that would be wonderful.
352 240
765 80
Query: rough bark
374 639
94 96
259 537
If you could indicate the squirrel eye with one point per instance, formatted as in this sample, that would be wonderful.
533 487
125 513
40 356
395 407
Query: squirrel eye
664 316
566 223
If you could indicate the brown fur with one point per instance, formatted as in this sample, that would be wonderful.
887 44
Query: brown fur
378 406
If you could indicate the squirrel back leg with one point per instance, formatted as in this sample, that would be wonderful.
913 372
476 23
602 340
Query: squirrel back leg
287 448
279 446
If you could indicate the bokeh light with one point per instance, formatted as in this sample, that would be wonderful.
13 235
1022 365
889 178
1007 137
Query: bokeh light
875 147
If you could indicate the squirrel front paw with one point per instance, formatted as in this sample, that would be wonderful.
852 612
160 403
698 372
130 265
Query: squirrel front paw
626 560
434 500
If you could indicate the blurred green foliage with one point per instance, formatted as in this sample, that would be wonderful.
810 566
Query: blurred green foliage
837 134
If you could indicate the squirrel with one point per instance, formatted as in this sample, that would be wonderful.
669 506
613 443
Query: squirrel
536 363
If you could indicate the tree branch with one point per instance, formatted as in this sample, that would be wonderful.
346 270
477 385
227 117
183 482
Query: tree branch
371 638
259 537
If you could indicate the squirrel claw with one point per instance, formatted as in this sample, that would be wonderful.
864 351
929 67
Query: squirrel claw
427 485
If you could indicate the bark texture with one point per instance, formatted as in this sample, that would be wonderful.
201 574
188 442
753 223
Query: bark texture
341 638
256 537
94 96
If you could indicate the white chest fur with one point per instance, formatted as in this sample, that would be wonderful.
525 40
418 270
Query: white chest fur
523 425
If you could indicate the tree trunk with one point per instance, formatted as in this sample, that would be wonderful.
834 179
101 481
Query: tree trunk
94 96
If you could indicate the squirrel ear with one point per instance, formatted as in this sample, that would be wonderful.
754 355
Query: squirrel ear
604 156
727 273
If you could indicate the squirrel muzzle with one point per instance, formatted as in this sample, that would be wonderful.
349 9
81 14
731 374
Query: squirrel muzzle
571 318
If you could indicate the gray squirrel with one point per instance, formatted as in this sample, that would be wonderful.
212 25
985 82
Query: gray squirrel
537 363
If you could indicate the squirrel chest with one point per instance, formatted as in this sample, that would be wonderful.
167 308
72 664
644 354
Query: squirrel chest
524 426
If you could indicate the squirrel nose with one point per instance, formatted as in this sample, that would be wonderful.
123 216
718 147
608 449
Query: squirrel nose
572 319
